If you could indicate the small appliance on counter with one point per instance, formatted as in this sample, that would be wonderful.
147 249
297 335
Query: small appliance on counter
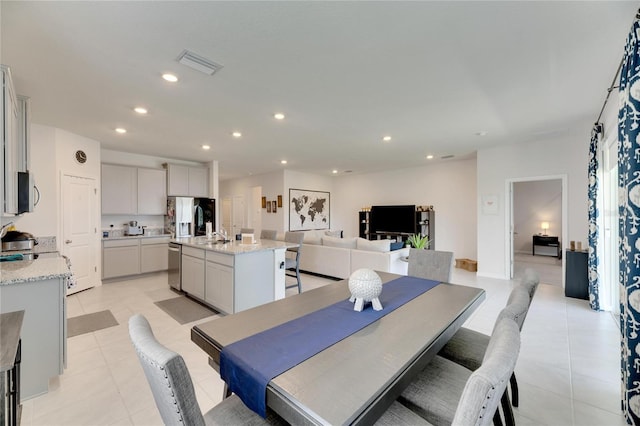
133 229
18 241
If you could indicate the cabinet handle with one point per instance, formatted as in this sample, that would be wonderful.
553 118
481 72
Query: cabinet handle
68 242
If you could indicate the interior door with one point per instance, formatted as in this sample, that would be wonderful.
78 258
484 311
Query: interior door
237 214
225 220
79 233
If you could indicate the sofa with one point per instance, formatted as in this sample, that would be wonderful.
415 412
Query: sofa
327 253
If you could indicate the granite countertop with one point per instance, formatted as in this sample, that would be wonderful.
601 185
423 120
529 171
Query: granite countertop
129 237
33 270
233 247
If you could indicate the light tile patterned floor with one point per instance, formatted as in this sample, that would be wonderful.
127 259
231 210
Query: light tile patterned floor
568 369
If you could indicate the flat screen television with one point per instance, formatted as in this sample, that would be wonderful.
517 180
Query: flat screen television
393 219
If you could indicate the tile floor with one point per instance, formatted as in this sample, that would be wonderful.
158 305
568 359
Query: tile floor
568 369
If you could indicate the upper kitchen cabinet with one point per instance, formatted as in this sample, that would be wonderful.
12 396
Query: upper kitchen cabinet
133 190
152 191
14 152
119 189
187 181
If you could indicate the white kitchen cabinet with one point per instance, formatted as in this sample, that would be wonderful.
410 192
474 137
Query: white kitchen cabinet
119 189
198 182
10 147
193 272
187 181
120 258
44 330
154 254
152 191
219 287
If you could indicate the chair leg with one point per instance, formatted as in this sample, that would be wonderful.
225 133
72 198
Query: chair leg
514 390
497 421
509 420
298 278
226 392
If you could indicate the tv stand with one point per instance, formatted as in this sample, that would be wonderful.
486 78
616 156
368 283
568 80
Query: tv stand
424 225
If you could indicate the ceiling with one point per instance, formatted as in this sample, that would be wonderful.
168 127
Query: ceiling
432 75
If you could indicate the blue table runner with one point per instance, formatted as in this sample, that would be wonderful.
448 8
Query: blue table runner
248 365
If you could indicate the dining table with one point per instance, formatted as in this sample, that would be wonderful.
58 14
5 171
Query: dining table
354 380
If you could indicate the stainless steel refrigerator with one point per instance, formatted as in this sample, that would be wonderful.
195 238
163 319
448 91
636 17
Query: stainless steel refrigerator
179 218
204 210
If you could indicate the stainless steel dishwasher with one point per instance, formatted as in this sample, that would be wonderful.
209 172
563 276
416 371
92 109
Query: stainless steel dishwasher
175 265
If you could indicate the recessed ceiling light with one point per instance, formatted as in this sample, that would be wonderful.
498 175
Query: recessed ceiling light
206 147
386 138
283 161
429 157
236 134
140 110
278 116
121 130
482 133
170 77
334 171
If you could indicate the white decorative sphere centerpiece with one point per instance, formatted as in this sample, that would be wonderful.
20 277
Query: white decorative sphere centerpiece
365 286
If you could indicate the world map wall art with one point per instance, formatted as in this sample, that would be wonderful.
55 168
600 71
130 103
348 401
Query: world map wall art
308 210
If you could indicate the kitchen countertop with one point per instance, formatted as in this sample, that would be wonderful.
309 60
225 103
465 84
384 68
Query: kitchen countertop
129 237
33 270
233 247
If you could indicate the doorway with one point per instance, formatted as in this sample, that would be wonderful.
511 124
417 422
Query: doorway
79 232
537 211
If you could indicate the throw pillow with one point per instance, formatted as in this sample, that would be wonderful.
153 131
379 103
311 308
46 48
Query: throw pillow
337 234
397 245
348 243
375 245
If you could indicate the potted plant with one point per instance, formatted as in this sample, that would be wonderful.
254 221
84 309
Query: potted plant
418 241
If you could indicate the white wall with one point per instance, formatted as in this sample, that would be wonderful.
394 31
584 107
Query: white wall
567 155
43 221
535 202
272 185
450 187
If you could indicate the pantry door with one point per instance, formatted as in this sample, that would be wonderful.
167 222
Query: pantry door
79 232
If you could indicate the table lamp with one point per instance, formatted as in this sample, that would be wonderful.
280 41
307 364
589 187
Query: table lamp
545 228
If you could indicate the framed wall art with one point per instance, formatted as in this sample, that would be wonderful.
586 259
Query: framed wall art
268 206
309 209
279 200
274 209
264 202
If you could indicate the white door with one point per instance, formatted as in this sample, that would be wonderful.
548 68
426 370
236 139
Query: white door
237 214
79 233
226 215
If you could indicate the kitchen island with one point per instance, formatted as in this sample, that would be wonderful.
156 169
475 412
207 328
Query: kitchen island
39 288
231 276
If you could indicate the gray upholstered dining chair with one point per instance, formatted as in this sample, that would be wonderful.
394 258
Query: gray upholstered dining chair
467 347
268 234
430 264
246 230
447 393
292 261
173 390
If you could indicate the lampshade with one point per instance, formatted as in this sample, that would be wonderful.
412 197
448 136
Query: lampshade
545 226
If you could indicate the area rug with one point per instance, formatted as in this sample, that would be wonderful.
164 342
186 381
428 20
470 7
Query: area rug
184 310
90 322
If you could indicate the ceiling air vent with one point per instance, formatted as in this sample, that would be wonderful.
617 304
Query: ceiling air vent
198 62
446 157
